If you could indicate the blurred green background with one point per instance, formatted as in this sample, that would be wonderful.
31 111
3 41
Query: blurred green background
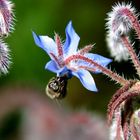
46 17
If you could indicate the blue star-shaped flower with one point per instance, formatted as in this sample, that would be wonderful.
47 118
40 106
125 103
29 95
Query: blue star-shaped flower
67 60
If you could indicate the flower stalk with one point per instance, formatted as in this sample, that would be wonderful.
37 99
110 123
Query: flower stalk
114 76
134 58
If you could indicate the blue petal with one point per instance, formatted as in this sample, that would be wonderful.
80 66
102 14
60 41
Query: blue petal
46 43
86 79
72 40
99 59
103 61
52 66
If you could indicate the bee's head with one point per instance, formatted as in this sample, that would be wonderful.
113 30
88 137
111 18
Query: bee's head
56 87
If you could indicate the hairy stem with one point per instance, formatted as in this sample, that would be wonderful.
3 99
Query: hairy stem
109 73
132 53
125 96
133 129
115 97
134 20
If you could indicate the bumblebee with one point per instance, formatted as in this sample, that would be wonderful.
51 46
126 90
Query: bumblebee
57 87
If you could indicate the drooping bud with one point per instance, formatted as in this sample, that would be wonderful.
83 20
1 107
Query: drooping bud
120 21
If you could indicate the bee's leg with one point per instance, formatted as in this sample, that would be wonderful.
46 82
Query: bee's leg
59 103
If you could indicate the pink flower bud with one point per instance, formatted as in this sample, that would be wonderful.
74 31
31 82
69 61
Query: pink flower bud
6 17
120 21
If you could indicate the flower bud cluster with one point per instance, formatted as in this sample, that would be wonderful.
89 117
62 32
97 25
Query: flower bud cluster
6 26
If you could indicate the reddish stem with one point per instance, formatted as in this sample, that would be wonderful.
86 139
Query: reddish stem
125 96
126 115
133 129
115 97
118 132
104 70
133 19
132 53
